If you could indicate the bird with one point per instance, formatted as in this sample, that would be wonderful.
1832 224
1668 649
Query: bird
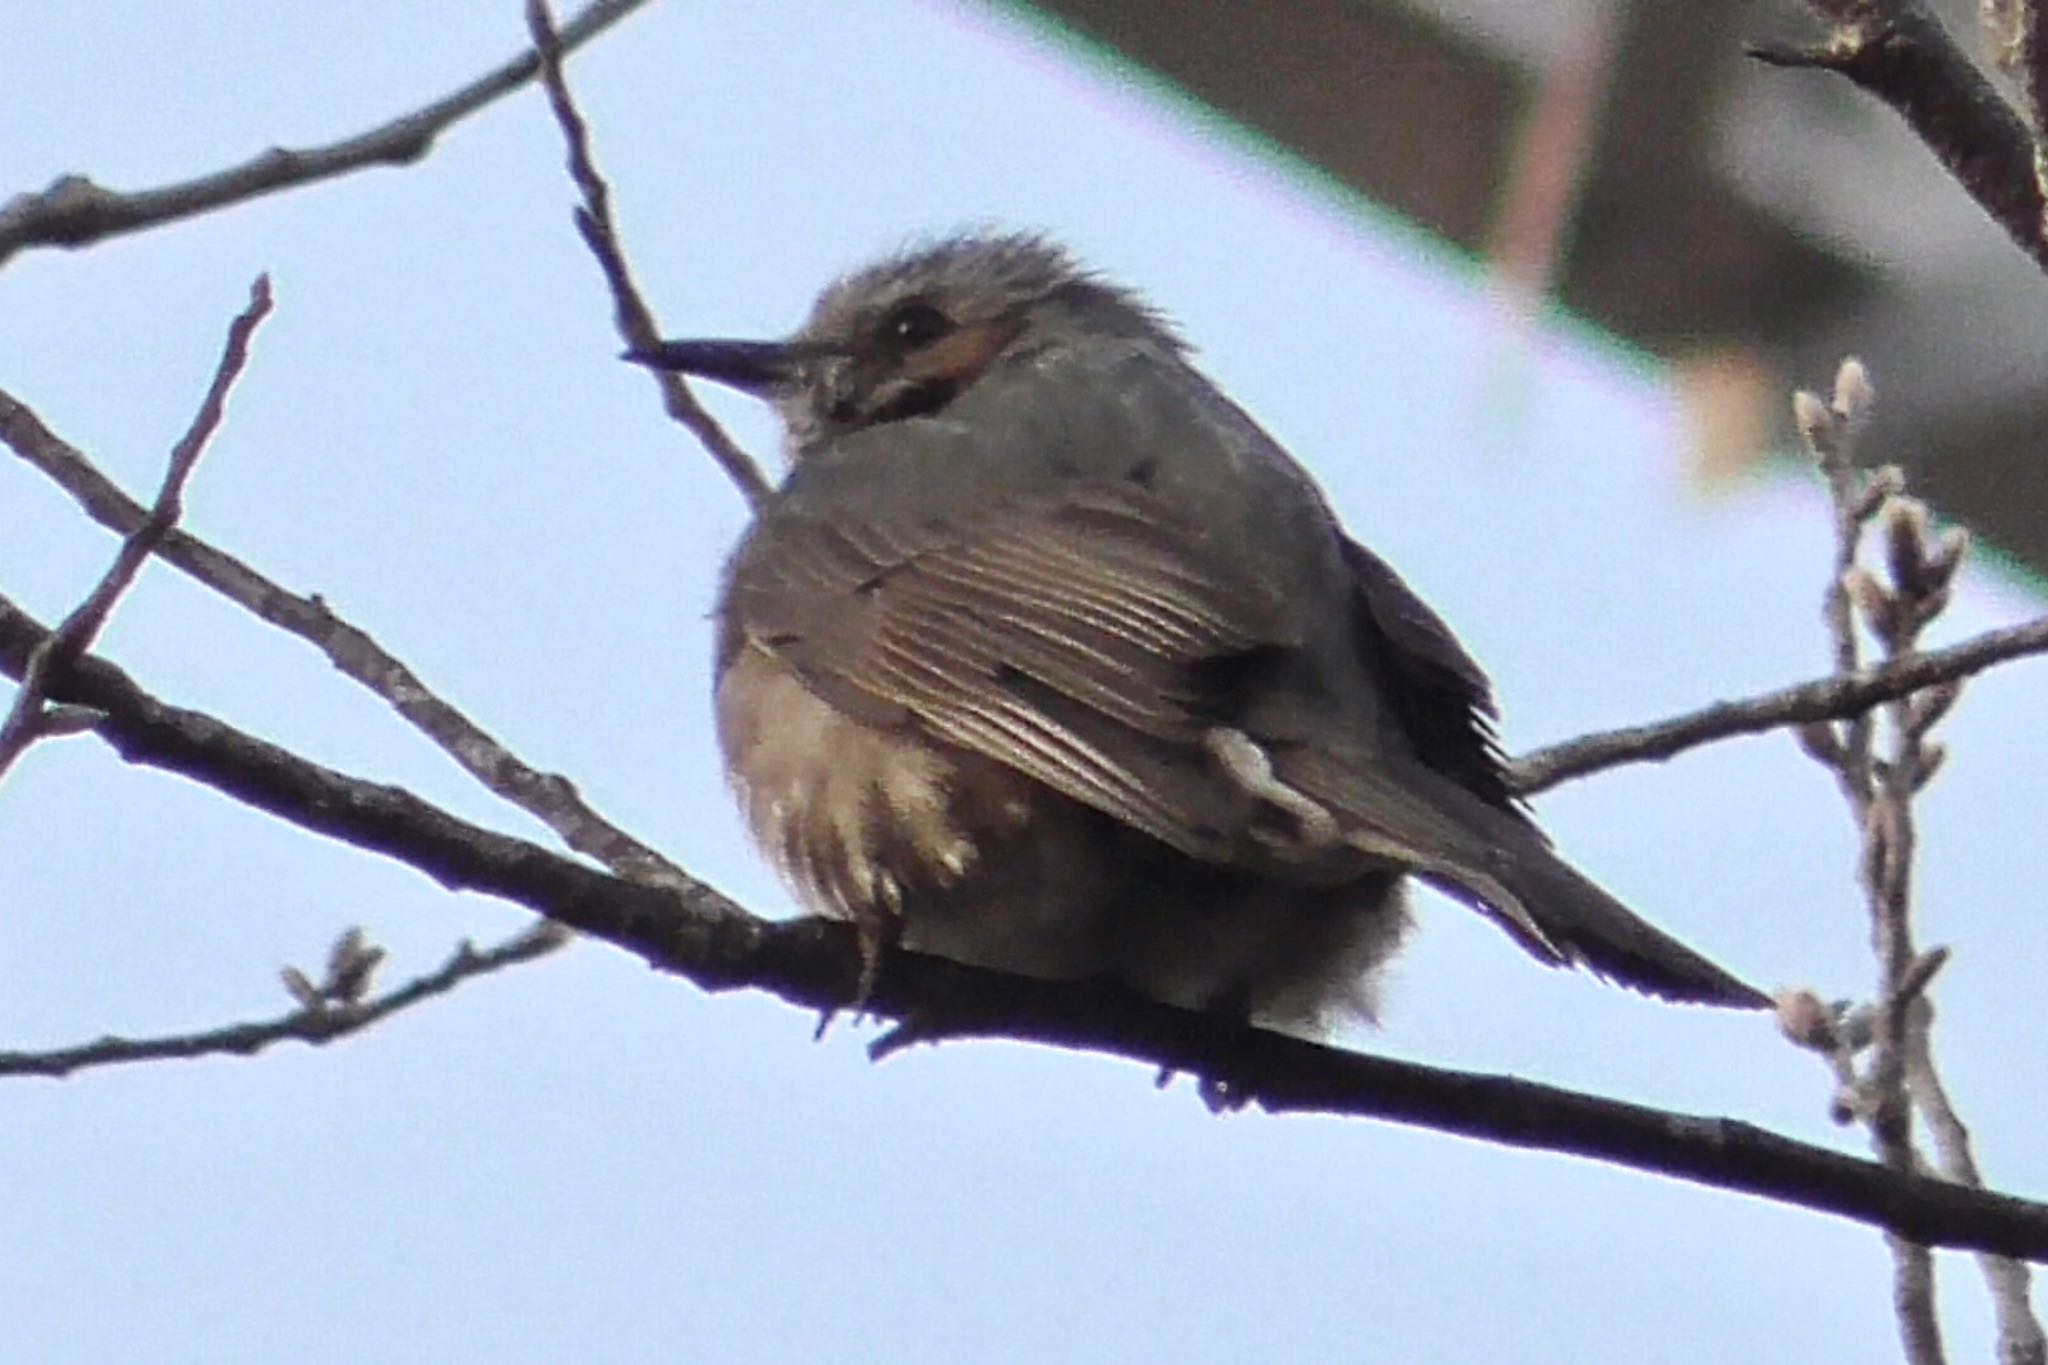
1045 657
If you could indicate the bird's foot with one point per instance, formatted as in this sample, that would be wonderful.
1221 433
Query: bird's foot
918 1026
874 934
1219 1094
1222 1094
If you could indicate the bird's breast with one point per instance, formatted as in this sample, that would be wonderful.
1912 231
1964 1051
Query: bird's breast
856 818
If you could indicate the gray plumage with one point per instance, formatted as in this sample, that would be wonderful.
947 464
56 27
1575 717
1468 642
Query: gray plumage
1046 657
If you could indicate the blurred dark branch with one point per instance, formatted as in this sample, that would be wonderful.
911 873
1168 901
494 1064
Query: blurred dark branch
1898 51
27 719
698 933
319 1019
548 797
1838 697
630 313
75 212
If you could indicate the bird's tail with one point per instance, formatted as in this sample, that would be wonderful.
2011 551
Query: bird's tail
1562 917
1496 861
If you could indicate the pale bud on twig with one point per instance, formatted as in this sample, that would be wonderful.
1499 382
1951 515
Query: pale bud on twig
1815 420
1874 602
302 989
1857 1026
1854 393
1905 539
1806 1020
347 946
1951 548
351 962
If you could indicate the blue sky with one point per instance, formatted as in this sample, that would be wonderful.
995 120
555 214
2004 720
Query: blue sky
584 1160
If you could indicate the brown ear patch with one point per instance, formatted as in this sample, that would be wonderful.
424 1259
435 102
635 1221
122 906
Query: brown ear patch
958 358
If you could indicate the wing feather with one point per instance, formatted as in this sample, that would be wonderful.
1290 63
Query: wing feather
1064 637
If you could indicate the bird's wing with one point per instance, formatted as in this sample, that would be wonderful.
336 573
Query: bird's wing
1439 694
1085 636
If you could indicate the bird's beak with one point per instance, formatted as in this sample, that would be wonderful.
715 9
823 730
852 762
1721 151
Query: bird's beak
756 367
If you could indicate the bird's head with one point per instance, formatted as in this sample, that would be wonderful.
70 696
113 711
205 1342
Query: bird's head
904 337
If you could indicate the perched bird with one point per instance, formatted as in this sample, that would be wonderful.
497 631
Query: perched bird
1045 657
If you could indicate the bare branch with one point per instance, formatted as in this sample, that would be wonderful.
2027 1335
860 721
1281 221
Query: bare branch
26 720
1824 699
698 933
548 797
629 311
317 1021
1879 793
75 212
2020 1340
1898 51
1898 1076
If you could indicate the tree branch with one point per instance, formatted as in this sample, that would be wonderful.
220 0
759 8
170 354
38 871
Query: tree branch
548 797
1878 789
317 1023
1839 697
1898 1076
75 212
696 932
26 720
2020 1339
630 313
1899 52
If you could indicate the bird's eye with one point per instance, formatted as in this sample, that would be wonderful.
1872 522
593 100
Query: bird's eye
915 324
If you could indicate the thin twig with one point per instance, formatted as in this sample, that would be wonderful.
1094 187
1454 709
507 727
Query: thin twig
2020 1339
1899 1076
318 1024
548 797
75 212
630 313
1891 842
1881 797
1880 791
1898 51
26 721
698 933
1823 699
